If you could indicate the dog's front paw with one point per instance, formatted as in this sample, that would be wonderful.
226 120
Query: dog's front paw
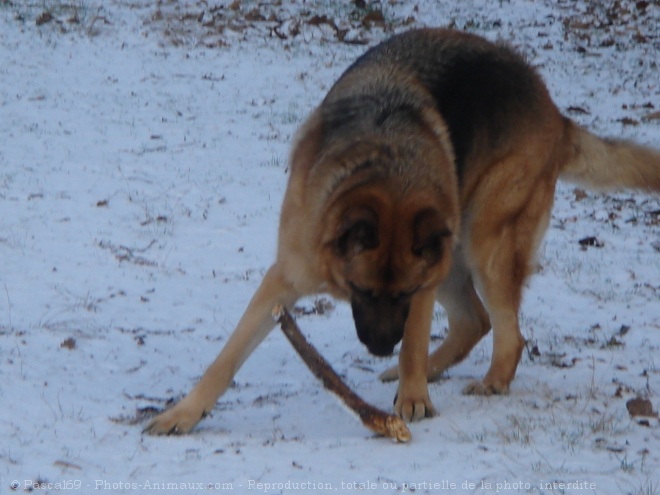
411 407
486 387
178 420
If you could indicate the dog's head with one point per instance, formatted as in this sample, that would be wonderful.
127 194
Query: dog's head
384 250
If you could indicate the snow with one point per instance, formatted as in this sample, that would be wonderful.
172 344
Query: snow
142 164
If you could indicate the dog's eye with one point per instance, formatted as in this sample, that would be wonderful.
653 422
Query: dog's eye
431 249
365 293
430 232
404 295
358 232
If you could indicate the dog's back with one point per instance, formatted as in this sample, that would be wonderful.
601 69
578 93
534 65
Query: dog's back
484 92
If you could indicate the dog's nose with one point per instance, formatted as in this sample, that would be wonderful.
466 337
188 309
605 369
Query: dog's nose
380 349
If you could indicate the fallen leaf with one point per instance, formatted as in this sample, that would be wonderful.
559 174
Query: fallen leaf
652 116
628 121
590 242
44 18
641 407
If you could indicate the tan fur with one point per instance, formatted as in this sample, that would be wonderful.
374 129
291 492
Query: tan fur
401 194
610 163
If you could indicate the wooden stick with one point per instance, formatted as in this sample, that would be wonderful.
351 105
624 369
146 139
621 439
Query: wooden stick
373 418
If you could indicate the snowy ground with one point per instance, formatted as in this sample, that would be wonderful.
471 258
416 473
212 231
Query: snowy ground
142 163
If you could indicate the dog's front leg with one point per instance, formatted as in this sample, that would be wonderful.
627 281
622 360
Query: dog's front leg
256 323
412 402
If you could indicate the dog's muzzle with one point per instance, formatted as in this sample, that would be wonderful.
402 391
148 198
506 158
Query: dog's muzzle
379 322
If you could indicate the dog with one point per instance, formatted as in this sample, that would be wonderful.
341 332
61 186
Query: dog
427 173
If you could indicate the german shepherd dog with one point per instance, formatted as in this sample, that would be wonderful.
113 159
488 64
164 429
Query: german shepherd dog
427 173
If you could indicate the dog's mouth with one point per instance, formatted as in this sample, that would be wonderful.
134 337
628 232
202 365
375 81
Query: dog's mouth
379 321
380 350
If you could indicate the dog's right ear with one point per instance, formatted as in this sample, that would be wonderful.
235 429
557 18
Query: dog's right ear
357 232
307 143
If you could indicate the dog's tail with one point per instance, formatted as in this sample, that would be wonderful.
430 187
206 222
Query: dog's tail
609 163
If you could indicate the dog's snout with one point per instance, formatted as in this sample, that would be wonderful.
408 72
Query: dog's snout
380 322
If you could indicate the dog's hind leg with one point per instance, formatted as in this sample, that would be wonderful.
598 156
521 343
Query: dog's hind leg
502 242
468 321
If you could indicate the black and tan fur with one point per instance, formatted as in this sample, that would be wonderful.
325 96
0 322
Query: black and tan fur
427 173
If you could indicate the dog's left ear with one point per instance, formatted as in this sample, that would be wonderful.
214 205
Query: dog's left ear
429 234
358 231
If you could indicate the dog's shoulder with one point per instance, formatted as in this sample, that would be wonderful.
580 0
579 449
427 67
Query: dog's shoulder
480 89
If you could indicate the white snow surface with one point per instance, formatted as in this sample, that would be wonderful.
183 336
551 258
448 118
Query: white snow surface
141 176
